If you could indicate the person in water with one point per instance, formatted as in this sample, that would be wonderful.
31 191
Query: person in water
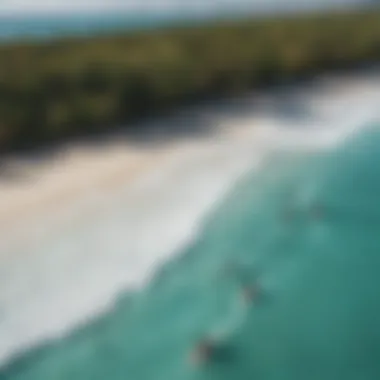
250 293
317 210
203 351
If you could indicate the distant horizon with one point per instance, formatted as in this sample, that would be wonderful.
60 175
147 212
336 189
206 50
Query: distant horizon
41 8
75 23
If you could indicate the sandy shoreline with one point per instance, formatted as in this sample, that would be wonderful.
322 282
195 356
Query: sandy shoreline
48 186
33 188
51 185
30 189
82 226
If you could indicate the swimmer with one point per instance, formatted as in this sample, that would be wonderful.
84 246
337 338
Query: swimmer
317 210
250 293
203 351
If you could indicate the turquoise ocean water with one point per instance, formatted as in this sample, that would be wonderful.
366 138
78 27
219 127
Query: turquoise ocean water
23 25
317 315
55 26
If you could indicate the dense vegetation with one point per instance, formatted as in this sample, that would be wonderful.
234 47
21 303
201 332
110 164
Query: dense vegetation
61 88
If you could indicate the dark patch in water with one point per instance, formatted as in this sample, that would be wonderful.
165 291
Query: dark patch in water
224 354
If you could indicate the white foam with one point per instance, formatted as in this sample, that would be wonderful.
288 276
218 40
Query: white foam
73 268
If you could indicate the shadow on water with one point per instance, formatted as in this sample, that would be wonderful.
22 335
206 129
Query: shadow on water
263 299
225 353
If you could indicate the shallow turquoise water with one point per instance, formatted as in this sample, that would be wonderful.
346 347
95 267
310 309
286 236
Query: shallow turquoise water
317 316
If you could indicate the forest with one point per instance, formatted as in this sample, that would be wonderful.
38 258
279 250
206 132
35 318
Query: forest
58 89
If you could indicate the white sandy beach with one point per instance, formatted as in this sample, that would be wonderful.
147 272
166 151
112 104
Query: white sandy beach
81 226
43 186
36 187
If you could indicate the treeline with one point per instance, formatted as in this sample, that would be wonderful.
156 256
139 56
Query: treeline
61 88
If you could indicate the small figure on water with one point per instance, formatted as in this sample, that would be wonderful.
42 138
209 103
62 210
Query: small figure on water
317 210
250 293
203 351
